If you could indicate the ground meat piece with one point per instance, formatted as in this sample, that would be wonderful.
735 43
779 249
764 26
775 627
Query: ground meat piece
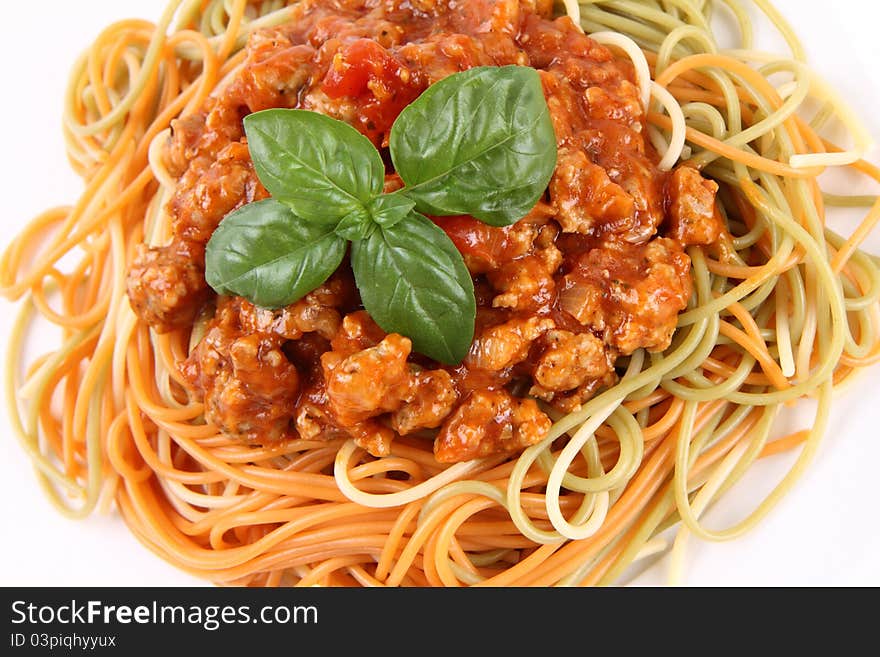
467 35
572 400
344 109
617 101
432 397
570 359
564 104
305 316
645 186
313 418
490 422
622 152
243 367
693 217
586 199
317 312
541 7
496 16
571 368
439 58
248 385
504 17
272 76
166 285
358 332
228 183
370 382
524 284
630 295
504 345
550 42
532 233
275 73
444 54
311 421
362 385
182 147
372 436
427 6
527 284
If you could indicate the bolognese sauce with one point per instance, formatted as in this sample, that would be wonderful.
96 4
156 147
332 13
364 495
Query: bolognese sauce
595 271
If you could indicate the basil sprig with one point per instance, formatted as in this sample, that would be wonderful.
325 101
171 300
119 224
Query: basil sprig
479 143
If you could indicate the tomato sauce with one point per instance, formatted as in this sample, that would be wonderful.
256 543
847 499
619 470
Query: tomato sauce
596 271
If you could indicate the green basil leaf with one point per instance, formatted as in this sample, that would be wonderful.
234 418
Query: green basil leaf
389 209
479 142
322 168
268 255
414 282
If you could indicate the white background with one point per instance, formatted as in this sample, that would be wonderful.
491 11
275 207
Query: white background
827 532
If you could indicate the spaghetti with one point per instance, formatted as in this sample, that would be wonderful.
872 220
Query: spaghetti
789 311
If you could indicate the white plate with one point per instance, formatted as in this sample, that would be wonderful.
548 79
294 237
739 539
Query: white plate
826 532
